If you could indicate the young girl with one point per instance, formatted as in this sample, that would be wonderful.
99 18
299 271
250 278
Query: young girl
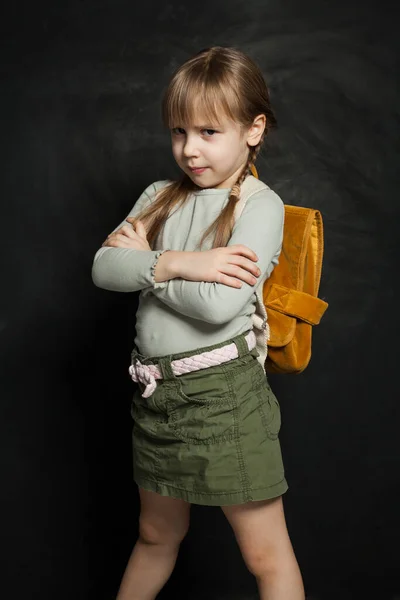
206 422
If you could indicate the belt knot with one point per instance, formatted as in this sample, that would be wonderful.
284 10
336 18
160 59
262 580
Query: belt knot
145 375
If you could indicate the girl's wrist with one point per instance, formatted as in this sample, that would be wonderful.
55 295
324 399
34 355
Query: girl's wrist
167 266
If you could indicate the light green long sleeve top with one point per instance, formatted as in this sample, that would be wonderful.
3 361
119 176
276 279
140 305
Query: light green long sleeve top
179 315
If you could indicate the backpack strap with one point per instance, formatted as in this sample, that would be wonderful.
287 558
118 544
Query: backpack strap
249 187
296 304
291 293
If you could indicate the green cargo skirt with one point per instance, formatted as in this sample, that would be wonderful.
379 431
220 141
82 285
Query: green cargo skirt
209 437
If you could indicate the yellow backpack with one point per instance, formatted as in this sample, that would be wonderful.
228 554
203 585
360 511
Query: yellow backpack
287 305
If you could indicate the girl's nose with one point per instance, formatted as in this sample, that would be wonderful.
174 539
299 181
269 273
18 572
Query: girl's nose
189 149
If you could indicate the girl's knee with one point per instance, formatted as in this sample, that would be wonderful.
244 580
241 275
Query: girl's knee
269 563
162 534
262 565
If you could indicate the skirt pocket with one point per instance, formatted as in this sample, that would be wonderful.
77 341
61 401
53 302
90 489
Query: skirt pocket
145 414
269 409
205 414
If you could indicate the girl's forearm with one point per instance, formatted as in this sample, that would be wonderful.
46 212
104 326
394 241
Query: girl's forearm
167 266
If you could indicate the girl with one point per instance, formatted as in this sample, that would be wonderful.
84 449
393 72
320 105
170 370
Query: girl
206 422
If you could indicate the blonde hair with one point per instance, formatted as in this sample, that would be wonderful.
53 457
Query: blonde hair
227 80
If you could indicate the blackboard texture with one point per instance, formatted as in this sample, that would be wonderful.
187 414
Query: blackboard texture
81 137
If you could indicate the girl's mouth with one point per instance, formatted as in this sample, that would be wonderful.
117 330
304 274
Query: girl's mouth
197 171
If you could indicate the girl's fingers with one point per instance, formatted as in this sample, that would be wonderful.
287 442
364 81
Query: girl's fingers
119 244
128 231
141 230
230 281
239 273
138 226
243 250
245 263
118 240
113 238
124 231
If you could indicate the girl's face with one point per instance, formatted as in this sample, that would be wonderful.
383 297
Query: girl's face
219 150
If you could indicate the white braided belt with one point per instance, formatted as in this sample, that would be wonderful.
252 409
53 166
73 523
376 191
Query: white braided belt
147 374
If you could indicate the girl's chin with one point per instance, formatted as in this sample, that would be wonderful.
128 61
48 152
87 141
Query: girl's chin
199 178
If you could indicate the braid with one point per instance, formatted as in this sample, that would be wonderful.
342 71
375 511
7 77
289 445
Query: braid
223 225
253 153
235 191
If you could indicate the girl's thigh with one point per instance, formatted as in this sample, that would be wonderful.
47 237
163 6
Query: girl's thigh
163 519
261 532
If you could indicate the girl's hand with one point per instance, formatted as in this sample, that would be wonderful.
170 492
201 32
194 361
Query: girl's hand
229 265
129 236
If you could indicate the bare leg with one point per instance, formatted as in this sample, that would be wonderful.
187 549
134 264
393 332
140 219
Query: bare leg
261 532
163 524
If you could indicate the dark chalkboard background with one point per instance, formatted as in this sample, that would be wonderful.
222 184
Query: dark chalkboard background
81 137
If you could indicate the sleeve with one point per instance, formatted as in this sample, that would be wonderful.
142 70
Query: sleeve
127 269
260 227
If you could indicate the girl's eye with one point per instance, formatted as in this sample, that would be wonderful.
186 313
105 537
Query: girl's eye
181 131
210 132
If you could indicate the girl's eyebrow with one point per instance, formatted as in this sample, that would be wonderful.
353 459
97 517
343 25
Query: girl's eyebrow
207 126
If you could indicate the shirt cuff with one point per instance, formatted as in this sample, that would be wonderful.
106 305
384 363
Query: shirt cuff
157 284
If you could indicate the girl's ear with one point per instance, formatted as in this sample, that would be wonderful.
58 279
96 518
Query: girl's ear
256 130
